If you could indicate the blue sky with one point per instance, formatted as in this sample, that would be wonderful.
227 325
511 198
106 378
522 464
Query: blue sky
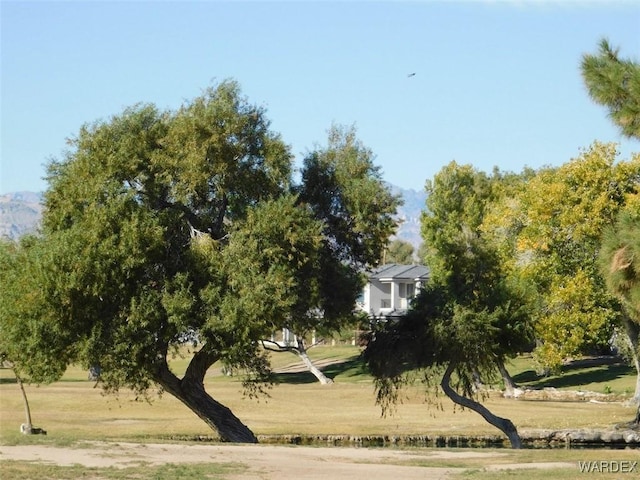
497 83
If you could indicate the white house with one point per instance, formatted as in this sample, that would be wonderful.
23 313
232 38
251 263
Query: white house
391 288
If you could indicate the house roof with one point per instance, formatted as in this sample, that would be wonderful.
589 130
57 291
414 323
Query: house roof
393 271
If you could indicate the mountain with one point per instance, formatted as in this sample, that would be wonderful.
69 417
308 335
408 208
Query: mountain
20 213
409 215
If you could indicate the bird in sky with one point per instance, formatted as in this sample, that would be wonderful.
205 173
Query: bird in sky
412 74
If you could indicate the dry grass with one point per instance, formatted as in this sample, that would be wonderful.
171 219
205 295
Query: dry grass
13 470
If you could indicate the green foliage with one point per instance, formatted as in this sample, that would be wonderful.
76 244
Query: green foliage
399 252
439 331
344 189
620 254
274 264
614 83
163 227
26 322
619 266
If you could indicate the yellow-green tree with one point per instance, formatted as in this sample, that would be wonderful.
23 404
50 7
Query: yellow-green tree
562 213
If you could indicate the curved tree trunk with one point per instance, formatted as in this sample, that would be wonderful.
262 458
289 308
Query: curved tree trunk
503 424
302 353
190 391
27 411
632 330
213 413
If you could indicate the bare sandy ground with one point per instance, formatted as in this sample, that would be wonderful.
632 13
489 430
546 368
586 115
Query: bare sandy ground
264 461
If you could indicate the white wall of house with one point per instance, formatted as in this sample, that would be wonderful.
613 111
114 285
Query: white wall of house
382 296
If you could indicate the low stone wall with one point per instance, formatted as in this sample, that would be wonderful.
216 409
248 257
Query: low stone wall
386 441
554 395
616 437
584 437
531 438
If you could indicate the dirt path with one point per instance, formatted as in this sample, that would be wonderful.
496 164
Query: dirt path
262 461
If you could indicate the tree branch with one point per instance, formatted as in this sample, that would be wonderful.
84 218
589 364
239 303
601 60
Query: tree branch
217 228
277 347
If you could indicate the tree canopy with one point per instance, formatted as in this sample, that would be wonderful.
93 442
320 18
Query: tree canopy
400 252
166 227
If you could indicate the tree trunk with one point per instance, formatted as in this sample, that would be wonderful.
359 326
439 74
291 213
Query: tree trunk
509 384
302 353
219 417
300 350
636 397
27 411
503 424
632 329
190 391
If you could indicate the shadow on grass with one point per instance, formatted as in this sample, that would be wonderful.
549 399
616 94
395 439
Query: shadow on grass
575 376
353 367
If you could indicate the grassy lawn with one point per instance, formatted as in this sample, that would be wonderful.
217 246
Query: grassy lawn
74 408
616 378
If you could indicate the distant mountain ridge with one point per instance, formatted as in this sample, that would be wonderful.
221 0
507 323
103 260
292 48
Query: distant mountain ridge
409 215
20 213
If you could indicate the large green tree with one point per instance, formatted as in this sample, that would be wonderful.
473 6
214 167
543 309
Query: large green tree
166 227
470 318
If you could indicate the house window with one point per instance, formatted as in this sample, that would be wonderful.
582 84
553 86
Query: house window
407 290
411 290
385 295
